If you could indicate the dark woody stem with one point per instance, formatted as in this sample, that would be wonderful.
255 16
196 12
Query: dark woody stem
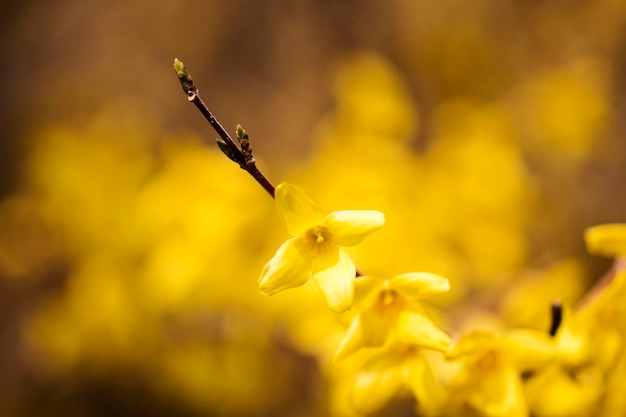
235 153
228 146
557 317
249 164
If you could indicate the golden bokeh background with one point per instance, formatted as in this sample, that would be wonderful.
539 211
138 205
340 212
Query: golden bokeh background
491 135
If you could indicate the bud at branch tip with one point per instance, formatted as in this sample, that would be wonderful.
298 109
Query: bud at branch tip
184 77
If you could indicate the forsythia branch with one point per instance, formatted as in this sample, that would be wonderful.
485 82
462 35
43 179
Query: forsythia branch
231 149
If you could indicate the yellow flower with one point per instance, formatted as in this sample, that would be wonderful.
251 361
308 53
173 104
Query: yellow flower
315 248
489 380
607 239
390 373
392 306
556 391
595 332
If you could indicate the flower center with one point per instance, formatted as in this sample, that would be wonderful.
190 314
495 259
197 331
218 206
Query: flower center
389 301
319 239
489 360
388 297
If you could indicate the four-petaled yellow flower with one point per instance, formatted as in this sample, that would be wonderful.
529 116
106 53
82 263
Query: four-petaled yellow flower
315 248
392 306
591 341
489 381
392 372
595 332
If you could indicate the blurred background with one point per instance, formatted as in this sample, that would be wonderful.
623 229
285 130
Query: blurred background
491 135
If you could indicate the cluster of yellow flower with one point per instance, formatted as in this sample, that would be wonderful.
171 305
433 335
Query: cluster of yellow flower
578 370
148 258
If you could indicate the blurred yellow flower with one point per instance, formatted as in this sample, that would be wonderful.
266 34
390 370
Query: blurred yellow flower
489 380
391 372
556 391
392 305
315 250
595 332
591 352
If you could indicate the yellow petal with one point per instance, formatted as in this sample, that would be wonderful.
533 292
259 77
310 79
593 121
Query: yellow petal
471 344
368 329
606 303
556 391
607 239
350 227
417 286
297 211
334 274
414 327
529 349
499 393
426 388
378 382
366 290
573 341
290 267
615 400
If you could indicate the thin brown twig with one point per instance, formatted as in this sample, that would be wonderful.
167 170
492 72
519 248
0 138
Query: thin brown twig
246 163
234 152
